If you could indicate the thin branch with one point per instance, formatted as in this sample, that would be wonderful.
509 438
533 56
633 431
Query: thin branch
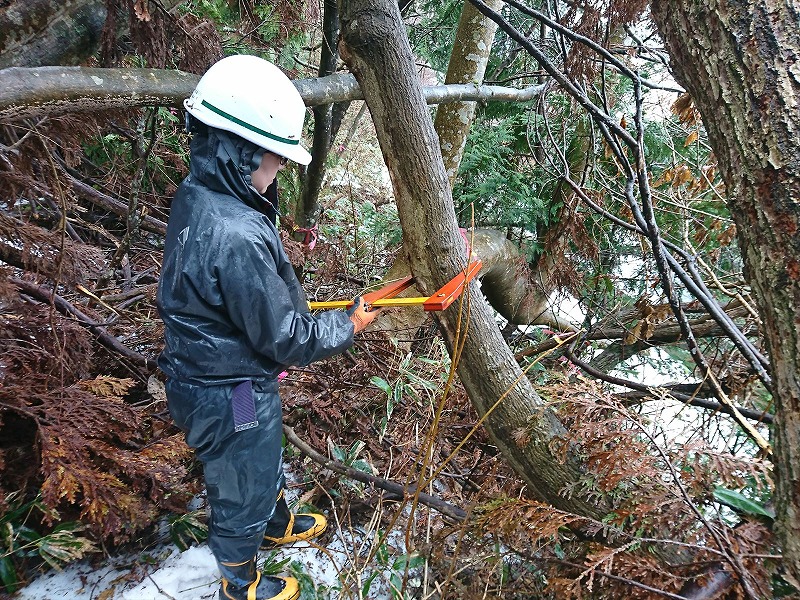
643 48
578 94
576 37
731 557
64 307
447 509
613 577
113 205
132 293
636 178
613 133
693 283
664 333
141 150
644 392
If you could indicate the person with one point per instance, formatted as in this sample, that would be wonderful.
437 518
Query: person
235 315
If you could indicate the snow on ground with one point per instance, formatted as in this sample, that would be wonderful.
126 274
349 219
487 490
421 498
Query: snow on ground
189 574
165 573
181 575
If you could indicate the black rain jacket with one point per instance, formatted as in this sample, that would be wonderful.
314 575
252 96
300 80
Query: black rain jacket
231 303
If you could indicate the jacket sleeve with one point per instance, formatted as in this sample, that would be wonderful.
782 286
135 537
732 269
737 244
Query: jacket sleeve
260 303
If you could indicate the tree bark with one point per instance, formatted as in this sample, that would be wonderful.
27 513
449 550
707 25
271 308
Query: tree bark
739 63
507 282
467 64
511 288
34 33
51 91
308 207
375 47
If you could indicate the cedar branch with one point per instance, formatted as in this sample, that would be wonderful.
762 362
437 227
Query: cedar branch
65 307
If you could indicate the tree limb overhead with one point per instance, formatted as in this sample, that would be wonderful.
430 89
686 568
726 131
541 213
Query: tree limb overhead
51 91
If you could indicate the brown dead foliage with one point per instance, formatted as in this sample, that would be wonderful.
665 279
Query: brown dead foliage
686 111
43 252
600 21
70 435
77 429
654 541
159 36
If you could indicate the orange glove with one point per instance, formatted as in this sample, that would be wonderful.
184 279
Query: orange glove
360 316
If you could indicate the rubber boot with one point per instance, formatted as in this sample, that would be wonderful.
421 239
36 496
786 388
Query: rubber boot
286 527
241 581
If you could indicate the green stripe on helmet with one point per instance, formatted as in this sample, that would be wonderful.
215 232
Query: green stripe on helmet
246 125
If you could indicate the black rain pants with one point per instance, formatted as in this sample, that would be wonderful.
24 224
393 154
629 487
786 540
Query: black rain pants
243 469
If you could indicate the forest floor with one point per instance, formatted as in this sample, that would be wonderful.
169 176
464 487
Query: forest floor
372 410
162 571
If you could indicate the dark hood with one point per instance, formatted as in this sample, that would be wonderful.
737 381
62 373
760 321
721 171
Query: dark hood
224 162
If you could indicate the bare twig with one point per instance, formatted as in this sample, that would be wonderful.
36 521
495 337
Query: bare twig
624 580
646 391
617 136
730 556
113 205
141 151
106 339
158 587
447 509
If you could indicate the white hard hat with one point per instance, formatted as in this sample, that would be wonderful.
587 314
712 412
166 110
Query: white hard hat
252 98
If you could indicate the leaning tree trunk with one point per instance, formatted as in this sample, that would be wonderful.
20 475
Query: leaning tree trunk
468 59
738 60
375 47
507 282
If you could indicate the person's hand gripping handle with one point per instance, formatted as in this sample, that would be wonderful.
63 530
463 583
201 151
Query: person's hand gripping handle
360 314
